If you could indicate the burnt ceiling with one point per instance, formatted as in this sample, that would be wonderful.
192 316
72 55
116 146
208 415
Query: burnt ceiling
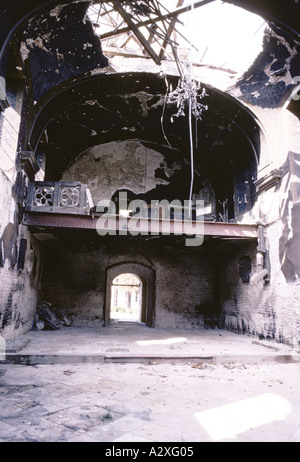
132 106
284 13
16 15
58 44
75 101
107 108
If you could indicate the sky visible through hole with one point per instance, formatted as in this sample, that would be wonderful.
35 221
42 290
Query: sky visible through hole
225 36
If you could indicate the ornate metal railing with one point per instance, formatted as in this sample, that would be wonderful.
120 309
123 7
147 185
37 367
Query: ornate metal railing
57 197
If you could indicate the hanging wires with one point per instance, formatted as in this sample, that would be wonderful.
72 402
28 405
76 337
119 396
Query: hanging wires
192 157
187 94
163 112
190 122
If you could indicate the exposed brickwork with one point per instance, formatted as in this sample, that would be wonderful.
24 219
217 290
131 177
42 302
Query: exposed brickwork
75 281
18 294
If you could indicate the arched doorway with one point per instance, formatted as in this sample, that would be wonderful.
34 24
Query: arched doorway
145 276
126 298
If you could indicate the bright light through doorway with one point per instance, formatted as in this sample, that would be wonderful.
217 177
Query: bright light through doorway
126 291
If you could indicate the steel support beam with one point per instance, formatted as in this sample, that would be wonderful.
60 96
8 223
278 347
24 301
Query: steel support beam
143 226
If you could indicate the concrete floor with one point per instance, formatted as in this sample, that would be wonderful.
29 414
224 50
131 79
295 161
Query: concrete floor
129 383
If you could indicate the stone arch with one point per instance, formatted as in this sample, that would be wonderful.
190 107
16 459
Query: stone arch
147 277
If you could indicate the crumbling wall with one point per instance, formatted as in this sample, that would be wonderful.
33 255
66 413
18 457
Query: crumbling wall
75 281
114 166
19 254
270 309
289 206
19 272
19 295
270 78
246 307
265 310
186 288
58 45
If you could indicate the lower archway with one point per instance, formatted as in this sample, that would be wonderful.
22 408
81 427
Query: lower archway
126 298
136 301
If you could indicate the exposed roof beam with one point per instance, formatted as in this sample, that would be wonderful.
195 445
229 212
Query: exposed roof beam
135 29
171 15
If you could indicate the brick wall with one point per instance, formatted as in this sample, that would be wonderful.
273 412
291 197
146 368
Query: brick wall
18 281
75 280
266 311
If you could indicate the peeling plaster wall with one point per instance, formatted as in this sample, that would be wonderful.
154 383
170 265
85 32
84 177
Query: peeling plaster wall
19 255
271 310
18 282
59 45
289 205
266 311
267 81
144 173
239 300
118 165
18 297
75 279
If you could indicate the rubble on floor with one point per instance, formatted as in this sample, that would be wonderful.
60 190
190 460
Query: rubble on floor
48 318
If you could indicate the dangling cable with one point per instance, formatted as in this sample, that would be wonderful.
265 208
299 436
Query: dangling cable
163 112
186 94
190 123
192 156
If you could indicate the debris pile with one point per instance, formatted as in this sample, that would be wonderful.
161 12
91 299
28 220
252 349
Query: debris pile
48 318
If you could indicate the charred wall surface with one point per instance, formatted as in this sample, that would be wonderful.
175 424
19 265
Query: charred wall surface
59 45
20 265
185 284
75 274
20 259
271 310
103 128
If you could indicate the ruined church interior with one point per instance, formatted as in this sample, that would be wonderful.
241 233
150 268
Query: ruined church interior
144 179
149 223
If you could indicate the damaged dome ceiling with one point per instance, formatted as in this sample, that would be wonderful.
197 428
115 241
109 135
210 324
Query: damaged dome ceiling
77 101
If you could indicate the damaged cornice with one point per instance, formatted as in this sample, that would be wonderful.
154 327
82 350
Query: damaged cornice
268 181
29 163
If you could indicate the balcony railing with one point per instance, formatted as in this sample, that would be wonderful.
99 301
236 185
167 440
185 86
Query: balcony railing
73 204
